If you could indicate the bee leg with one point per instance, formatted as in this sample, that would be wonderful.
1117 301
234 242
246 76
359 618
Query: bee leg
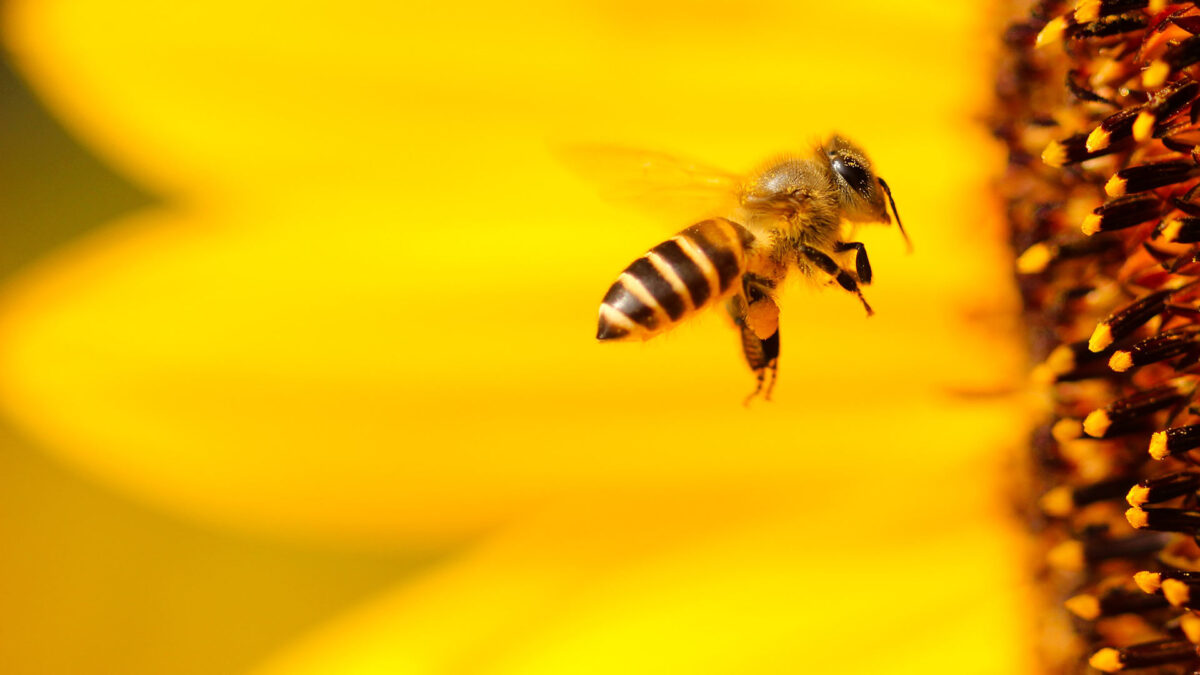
756 314
861 263
763 357
827 265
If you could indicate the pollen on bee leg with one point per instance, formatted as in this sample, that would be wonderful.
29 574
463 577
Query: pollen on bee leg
762 317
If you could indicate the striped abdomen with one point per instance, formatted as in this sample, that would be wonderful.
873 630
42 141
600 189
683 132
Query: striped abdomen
694 268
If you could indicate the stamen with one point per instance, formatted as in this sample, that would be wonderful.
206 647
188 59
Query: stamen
1149 177
1145 655
1062 500
1174 441
1122 213
1116 417
1164 520
1112 602
1165 345
1116 127
1126 320
1163 488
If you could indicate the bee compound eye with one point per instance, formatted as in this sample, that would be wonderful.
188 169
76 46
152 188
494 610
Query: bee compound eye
852 173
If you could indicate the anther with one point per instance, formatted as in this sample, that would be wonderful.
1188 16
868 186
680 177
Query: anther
1163 488
1149 177
1145 655
1165 345
1126 320
1174 441
1122 213
1121 415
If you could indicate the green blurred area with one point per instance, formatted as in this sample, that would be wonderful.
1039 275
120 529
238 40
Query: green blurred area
91 582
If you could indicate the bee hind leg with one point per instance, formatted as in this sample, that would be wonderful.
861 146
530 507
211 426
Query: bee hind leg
763 358
830 267
756 314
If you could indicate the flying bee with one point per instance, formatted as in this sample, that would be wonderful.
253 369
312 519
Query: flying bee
790 214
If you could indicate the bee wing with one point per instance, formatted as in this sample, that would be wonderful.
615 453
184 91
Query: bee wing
670 187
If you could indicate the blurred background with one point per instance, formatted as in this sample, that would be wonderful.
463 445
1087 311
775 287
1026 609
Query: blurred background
297 367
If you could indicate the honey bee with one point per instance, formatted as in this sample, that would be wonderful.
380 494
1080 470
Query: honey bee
793 213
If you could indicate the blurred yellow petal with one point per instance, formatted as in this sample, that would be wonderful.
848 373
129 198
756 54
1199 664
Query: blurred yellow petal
794 591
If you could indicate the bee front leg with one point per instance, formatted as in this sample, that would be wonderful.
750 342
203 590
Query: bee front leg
828 266
861 263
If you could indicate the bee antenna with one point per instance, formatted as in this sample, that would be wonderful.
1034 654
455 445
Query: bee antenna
900 225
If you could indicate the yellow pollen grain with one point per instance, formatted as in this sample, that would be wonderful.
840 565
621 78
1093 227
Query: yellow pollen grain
1190 624
1106 660
1137 517
1087 11
1143 126
1150 582
1101 338
1138 494
1158 445
1058 502
1035 258
1115 187
1176 592
1171 228
1098 139
1091 224
1121 361
1053 31
1067 556
1066 430
1084 606
1155 74
1157 5
1097 423
1055 154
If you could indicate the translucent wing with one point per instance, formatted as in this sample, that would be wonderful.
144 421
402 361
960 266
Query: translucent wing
666 186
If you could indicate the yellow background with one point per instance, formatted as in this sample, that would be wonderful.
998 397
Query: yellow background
323 396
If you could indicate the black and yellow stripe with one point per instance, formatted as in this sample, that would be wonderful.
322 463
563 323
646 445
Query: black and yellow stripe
680 275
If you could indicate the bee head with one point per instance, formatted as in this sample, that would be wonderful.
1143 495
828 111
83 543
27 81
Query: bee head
861 194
